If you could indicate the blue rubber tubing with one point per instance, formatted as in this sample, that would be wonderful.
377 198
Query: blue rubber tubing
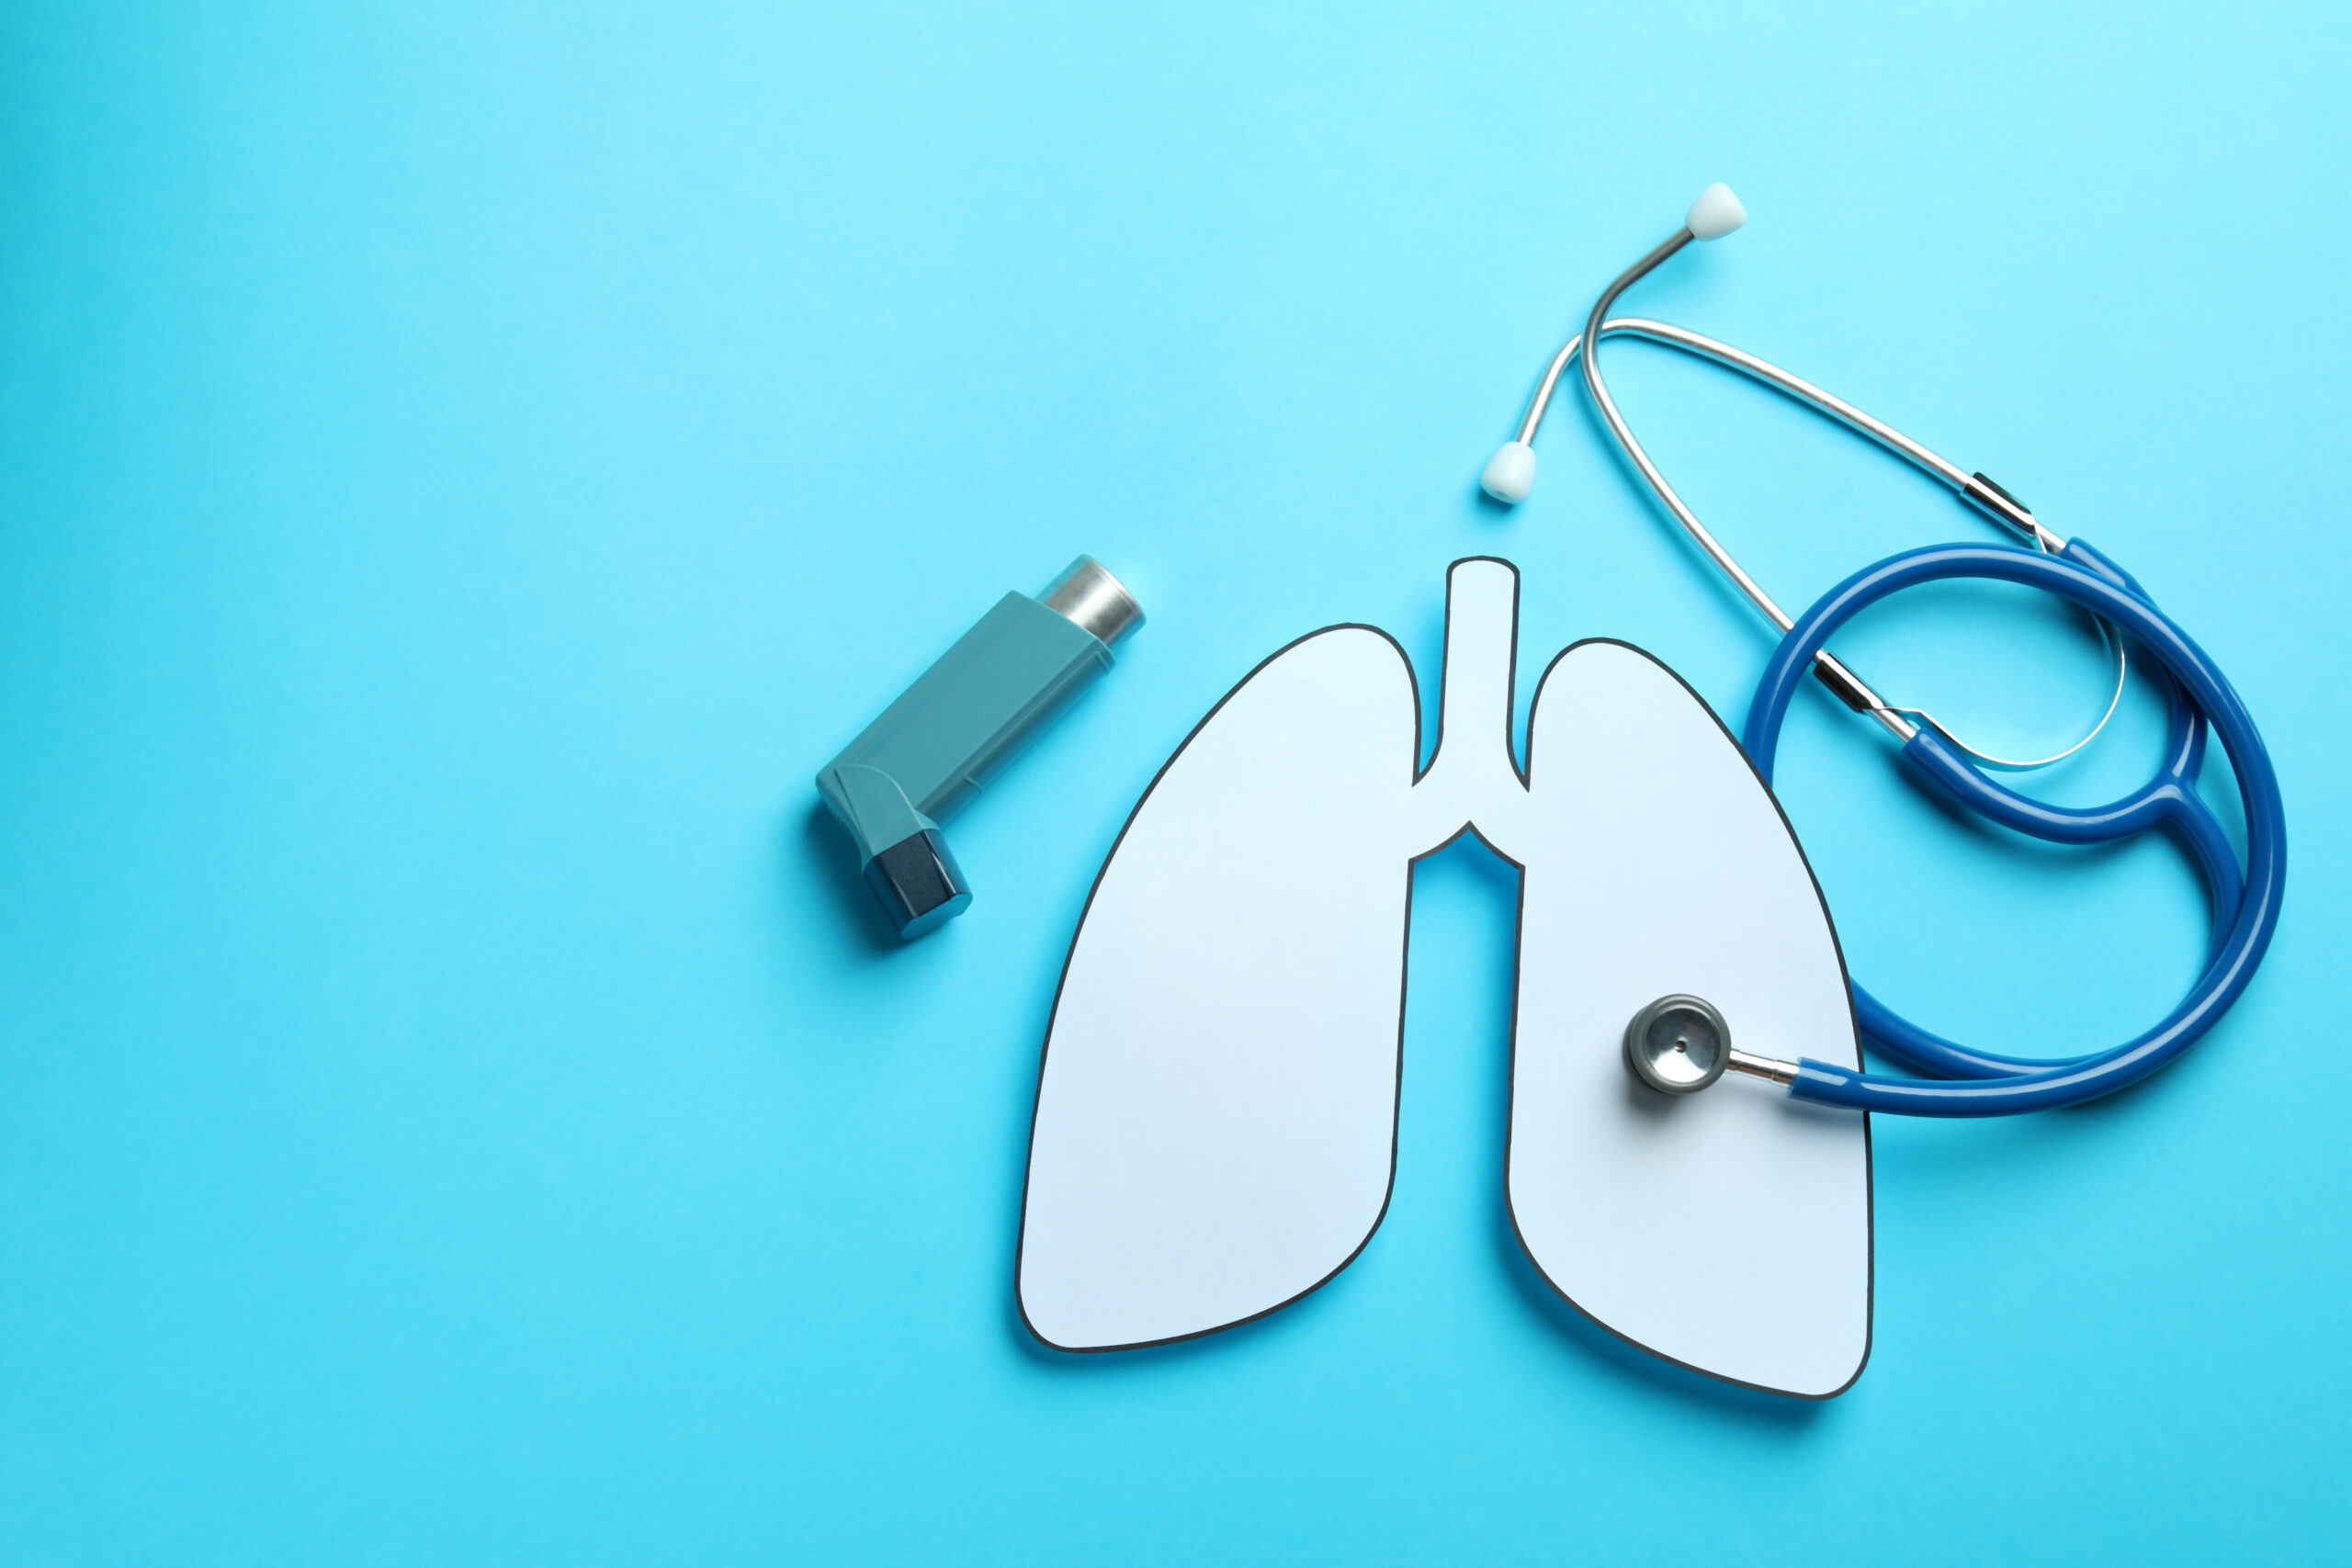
2244 903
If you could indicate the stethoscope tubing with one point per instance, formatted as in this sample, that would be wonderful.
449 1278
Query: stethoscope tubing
2169 798
2245 906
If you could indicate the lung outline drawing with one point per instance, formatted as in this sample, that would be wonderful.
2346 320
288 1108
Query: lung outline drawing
1214 1133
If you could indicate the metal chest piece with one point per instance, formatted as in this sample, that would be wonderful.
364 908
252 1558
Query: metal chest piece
1678 1044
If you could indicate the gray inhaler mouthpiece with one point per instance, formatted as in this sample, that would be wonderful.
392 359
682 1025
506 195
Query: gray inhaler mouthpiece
962 720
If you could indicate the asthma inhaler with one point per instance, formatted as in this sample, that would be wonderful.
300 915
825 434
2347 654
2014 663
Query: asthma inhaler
962 720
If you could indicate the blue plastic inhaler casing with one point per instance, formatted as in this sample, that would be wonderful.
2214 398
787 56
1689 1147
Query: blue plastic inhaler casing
958 725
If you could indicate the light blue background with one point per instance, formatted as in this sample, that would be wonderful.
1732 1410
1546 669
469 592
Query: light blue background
463 467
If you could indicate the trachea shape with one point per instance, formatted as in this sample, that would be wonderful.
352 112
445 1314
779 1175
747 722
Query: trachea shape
1216 1111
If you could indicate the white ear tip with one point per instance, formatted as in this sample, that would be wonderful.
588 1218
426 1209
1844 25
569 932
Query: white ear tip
1716 213
1510 473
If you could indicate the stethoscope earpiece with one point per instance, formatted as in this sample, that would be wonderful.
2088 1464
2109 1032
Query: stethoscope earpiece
1716 213
1509 473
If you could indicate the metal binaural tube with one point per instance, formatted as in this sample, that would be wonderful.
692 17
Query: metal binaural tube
1989 499
1591 365
1980 491
1511 470
1834 674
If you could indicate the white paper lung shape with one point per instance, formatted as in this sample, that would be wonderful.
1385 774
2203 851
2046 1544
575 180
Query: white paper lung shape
1215 1125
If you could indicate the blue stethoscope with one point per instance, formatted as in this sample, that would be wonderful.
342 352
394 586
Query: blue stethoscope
1967 1082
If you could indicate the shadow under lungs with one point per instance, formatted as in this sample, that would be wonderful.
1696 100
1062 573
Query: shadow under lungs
1299 1317
1754 1406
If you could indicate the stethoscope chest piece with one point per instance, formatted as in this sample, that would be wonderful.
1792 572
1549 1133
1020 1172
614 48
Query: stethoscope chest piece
1678 1044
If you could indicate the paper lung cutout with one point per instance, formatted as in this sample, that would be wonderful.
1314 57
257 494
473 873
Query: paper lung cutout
1215 1125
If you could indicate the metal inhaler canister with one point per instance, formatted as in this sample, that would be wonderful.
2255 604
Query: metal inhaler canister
961 721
